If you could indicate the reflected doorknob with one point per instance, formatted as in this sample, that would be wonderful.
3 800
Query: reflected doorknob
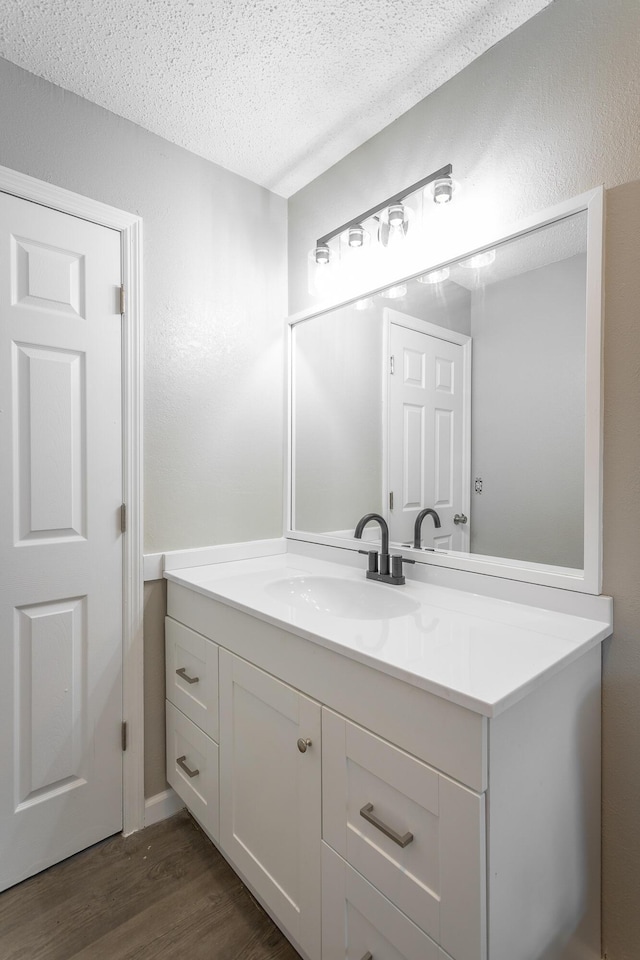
460 518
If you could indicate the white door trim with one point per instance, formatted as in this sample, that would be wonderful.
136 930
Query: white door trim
130 228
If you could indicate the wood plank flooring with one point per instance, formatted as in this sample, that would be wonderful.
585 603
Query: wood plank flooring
162 893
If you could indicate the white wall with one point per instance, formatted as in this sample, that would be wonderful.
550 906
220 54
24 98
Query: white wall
547 113
215 298
527 440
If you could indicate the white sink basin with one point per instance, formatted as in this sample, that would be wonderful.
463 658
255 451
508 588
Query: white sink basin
367 600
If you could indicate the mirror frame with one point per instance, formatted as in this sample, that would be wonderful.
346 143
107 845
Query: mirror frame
589 580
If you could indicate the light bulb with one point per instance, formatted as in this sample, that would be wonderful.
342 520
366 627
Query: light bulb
394 223
396 215
436 276
364 304
483 259
356 235
395 292
320 270
442 190
322 253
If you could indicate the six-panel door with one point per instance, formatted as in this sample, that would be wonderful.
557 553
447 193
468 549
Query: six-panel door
60 536
428 435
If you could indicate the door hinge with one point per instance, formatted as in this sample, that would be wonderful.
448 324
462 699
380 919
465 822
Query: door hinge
124 735
123 518
123 299
392 363
391 500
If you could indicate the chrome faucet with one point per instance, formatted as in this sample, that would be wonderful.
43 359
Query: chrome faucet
417 530
389 569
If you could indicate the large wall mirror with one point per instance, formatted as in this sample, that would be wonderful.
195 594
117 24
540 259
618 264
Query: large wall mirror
472 388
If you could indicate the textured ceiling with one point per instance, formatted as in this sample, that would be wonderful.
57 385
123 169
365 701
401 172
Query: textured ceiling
275 90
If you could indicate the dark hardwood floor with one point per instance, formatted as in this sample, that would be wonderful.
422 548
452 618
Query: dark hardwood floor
162 893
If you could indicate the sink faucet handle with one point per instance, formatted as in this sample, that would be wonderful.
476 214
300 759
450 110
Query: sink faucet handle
396 564
372 566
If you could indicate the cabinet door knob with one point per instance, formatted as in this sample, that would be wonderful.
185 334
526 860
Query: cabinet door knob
303 744
367 956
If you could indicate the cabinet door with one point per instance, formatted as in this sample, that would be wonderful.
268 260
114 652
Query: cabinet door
270 800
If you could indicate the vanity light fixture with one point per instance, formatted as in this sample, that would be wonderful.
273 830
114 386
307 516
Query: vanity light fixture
384 227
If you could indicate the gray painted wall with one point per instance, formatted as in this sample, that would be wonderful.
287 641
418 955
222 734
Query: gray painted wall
338 419
215 298
527 438
547 113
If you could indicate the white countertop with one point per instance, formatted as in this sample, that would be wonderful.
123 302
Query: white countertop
481 653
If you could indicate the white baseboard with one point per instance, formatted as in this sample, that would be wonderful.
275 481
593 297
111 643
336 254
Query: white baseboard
161 806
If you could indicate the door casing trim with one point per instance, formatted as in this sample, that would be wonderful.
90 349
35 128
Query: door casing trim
130 228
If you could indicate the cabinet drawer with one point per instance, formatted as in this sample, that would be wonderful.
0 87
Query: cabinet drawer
192 675
415 834
192 768
358 922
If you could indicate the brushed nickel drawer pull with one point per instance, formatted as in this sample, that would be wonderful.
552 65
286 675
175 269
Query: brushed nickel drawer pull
402 841
181 763
183 673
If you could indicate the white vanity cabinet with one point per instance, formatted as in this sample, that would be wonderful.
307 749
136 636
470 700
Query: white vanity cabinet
375 819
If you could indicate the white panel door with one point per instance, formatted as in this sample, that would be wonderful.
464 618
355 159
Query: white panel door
60 539
426 443
270 794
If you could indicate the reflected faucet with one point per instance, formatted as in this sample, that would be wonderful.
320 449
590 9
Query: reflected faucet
390 568
417 530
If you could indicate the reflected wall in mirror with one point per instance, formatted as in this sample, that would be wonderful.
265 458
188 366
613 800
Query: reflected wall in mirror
461 390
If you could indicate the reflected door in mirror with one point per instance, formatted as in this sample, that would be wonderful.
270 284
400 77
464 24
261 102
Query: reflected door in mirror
428 443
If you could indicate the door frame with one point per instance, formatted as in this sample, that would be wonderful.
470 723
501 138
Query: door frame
130 228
